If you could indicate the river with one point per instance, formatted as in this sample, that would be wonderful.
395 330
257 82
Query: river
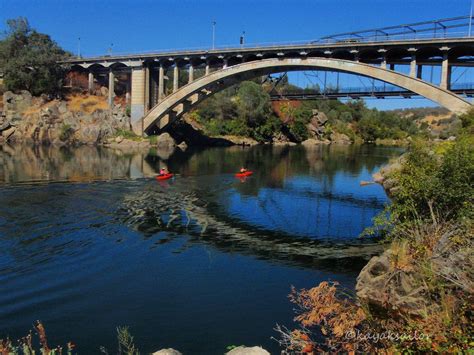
89 240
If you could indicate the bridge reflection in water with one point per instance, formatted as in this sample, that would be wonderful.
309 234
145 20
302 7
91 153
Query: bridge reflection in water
202 244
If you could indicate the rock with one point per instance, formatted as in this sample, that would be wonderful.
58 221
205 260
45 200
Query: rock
280 138
316 125
312 141
168 351
243 350
240 140
4 124
382 286
340 138
165 141
119 139
8 132
104 91
183 146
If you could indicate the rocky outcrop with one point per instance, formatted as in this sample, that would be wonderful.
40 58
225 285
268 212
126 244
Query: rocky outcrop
316 126
39 121
165 141
312 141
168 351
382 286
340 138
243 350
385 177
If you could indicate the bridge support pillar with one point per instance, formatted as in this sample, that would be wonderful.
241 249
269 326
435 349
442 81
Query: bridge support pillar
226 63
208 68
111 88
91 82
413 66
147 89
383 65
137 108
191 74
392 66
176 78
161 83
445 73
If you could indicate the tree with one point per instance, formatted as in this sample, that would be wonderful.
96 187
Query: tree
29 59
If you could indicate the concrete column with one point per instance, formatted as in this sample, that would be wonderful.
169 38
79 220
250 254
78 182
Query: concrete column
226 63
161 83
208 68
419 71
138 95
383 52
91 82
191 73
413 66
445 73
176 78
111 88
146 98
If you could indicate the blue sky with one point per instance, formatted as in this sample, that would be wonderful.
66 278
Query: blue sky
146 25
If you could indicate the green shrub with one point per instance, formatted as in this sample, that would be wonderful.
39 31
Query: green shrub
430 185
66 132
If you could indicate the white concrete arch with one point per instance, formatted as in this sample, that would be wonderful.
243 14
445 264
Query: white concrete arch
187 96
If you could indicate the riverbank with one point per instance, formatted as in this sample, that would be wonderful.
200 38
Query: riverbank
418 294
87 119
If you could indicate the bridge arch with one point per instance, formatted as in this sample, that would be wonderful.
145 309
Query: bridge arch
174 105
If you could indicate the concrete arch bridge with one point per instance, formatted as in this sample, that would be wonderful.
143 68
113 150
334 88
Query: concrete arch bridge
187 97
162 86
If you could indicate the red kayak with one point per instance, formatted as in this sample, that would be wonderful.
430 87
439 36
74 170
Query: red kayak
247 173
164 176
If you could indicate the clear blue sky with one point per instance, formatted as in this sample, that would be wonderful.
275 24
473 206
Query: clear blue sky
146 25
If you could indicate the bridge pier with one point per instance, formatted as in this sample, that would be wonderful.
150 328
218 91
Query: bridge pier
137 107
190 73
412 63
161 83
208 68
445 72
111 89
90 82
175 78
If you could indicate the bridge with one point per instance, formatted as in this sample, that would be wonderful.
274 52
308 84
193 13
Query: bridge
162 86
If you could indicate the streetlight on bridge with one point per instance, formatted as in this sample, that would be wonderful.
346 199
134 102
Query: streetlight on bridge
213 34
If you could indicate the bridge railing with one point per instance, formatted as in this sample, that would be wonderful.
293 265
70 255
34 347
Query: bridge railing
449 28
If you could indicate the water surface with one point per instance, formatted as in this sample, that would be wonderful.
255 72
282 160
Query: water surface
89 240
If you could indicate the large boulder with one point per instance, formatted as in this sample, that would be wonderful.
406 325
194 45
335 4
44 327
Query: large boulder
340 138
169 351
165 141
316 126
243 350
383 286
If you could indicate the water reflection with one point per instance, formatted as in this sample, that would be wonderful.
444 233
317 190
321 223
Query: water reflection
202 244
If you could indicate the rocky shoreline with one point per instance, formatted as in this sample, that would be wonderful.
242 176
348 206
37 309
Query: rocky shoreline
87 119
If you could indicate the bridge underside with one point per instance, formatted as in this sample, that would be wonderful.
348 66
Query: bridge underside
175 105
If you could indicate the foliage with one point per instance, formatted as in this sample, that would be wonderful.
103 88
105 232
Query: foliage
26 345
243 110
29 59
66 132
331 321
430 184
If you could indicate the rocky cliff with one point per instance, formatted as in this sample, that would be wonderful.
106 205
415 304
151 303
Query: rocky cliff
77 120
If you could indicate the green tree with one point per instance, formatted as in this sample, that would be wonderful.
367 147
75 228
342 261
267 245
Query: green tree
29 59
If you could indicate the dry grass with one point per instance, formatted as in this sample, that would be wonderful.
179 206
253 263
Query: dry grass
87 104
